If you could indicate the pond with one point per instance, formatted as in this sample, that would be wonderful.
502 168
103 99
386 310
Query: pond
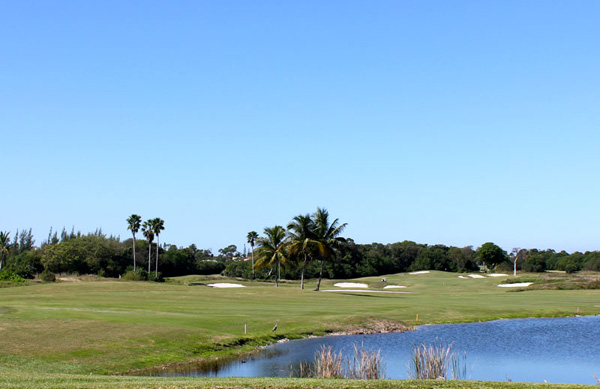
557 350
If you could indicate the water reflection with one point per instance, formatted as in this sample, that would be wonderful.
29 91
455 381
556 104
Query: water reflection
529 350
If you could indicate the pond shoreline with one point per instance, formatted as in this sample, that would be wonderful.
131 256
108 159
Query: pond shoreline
371 327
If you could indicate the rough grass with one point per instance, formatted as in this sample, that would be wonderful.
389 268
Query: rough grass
15 380
557 281
72 329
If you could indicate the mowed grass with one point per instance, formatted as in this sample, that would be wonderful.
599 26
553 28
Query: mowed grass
108 327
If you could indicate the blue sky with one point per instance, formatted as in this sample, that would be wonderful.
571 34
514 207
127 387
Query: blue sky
452 122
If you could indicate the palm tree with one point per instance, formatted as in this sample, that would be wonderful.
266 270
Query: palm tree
327 237
272 249
4 245
134 225
301 240
158 225
149 234
252 235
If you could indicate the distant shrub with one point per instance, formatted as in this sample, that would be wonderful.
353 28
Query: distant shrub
156 278
47 276
138 275
10 276
571 268
209 267
238 270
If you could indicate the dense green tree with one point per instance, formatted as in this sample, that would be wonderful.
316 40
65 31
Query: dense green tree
272 250
327 238
84 255
133 223
228 253
491 255
251 237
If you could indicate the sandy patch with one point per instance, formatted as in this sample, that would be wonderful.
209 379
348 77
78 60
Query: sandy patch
497 275
419 272
226 285
517 285
463 277
475 276
360 291
394 287
350 285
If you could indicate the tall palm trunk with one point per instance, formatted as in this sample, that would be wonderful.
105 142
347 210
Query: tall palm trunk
149 257
278 273
252 260
320 275
134 266
157 246
303 268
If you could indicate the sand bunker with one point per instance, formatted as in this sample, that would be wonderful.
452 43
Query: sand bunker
226 285
497 275
517 285
350 285
419 272
359 291
394 287
475 276
463 277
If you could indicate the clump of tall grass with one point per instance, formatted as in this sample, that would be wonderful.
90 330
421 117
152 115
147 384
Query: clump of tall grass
365 364
362 364
436 361
328 364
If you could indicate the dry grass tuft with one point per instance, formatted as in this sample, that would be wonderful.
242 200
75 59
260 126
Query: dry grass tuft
436 361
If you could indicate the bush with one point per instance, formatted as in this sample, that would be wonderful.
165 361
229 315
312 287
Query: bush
156 278
47 276
238 270
10 276
138 275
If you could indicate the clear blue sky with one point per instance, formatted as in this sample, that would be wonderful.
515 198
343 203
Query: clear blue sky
452 122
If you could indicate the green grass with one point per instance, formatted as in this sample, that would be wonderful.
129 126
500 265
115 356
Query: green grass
67 330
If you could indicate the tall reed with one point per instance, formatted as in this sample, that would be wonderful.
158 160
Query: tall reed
436 361
365 364
328 364
362 364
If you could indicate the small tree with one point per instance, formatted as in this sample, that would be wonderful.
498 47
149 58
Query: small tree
272 250
491 255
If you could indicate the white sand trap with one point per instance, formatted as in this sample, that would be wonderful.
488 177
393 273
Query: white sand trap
497 275
350 285
359 291
517 285
475 276
226 285
463 277
394 287
419 272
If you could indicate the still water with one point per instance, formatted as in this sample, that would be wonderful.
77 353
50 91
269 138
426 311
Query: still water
562 350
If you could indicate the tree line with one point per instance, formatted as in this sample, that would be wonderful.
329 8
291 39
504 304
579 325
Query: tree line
311 246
